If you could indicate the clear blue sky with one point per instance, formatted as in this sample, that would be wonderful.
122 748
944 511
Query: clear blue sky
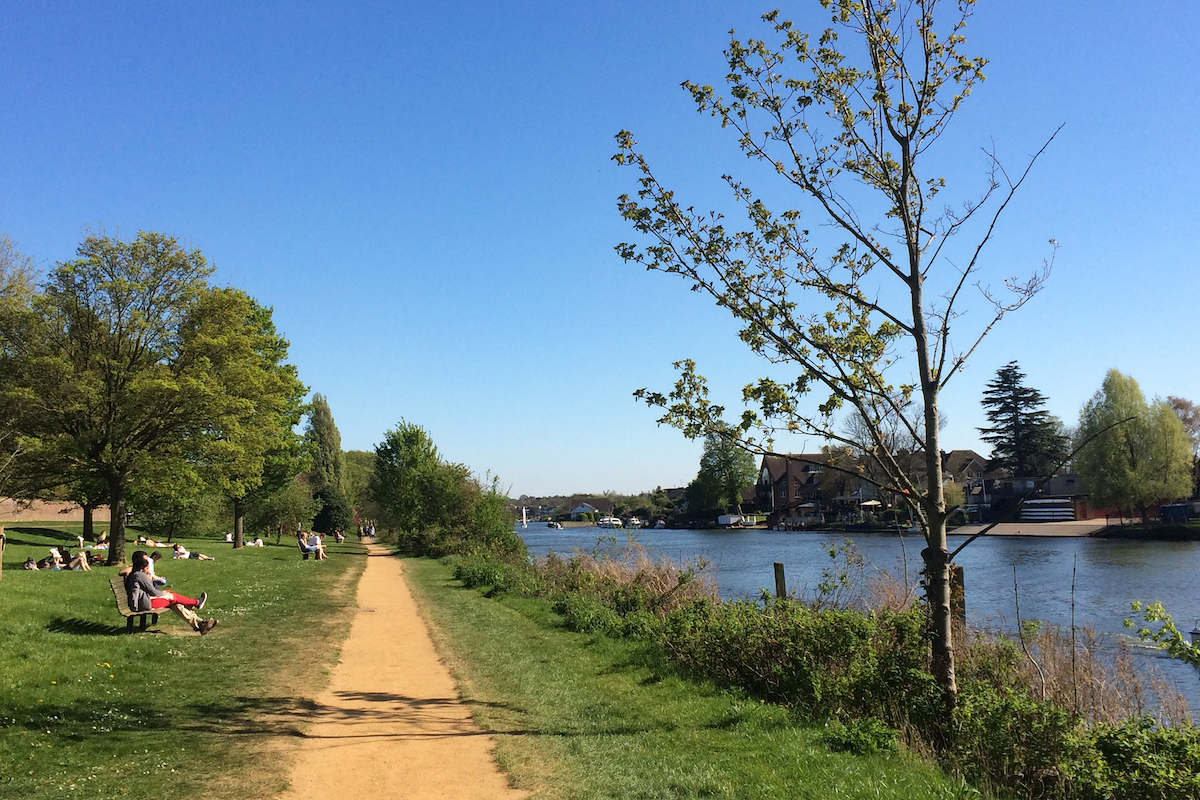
424 194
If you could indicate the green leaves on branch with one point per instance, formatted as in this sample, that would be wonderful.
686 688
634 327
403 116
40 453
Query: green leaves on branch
1166 636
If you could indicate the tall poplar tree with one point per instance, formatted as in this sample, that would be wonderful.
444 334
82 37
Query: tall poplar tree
1026 440
328 466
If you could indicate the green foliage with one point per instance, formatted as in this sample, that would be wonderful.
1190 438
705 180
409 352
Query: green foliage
334 510
1141 454
1136 758
286 508
1167 637
325 444
725 470
128 357
1002 739
438 507
1025 438
860 736
847 664
357 468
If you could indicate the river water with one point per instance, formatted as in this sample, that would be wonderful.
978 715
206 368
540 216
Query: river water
1109 573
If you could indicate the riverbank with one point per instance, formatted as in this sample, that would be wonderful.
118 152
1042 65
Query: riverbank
579 716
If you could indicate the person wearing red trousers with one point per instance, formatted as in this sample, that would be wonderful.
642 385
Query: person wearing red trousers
145 596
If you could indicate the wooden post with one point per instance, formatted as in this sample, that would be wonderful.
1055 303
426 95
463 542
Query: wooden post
780 583
1 551
958 595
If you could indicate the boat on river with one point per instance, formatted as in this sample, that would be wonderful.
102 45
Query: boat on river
610 522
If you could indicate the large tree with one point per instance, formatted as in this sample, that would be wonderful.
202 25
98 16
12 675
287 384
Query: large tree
256 452
1026 440
1189 414
17 275
725 470
413 485
1141 455
326 475
863 310
130 357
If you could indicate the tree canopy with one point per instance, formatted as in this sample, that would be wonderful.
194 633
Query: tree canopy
1143 458
326 475
846 124
725 470
127 357
1026 440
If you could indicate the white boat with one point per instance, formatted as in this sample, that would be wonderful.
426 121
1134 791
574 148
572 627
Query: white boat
634 522
610 522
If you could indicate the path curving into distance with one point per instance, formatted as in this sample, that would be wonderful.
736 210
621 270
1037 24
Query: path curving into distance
390 724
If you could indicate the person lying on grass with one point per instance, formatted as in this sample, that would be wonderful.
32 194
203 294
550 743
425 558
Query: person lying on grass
145 596
181 552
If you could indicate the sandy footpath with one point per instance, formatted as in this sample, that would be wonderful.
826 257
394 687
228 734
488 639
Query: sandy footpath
391 725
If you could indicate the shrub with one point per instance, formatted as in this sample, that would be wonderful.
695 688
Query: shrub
1005 740
860 736
848 664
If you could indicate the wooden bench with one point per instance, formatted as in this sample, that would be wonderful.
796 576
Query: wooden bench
118 588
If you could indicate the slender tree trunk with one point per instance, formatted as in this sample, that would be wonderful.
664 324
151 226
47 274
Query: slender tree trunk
239 520
936 556
88 526
116 507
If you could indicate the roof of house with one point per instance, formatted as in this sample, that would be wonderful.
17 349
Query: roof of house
779 465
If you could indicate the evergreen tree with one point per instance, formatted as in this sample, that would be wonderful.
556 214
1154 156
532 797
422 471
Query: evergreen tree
1026 440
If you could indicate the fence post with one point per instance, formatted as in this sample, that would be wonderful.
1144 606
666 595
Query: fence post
780 583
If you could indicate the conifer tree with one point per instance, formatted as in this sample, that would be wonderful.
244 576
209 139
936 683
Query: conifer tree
1026 440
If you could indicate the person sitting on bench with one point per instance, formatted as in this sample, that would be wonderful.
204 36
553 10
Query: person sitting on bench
145 596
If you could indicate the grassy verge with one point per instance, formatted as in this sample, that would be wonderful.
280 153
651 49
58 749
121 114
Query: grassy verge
578 716
88 711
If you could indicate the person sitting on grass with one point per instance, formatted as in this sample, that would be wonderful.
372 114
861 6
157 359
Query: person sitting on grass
80 562
179 551
144 596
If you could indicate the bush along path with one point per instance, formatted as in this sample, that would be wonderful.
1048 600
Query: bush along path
390 724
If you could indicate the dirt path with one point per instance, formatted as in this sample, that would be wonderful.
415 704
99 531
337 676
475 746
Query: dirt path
391 724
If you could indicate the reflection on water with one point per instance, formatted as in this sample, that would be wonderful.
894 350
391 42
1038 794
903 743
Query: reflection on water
1108 573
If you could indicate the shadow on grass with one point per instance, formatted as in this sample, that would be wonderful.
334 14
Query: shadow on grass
83 627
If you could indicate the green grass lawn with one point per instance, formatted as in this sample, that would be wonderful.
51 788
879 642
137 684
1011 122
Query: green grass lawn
588 717
89 711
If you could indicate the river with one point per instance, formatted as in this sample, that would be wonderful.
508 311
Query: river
1109 573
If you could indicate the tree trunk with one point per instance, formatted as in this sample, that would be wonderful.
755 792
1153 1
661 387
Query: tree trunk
116 507
239 519
88 527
